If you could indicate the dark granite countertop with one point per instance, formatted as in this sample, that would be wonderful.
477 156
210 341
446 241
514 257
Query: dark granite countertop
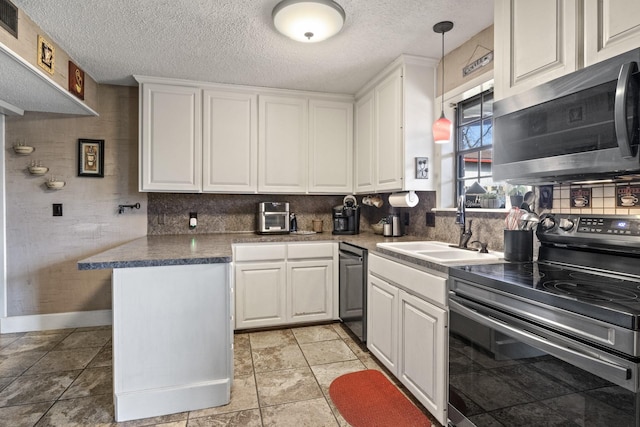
182 249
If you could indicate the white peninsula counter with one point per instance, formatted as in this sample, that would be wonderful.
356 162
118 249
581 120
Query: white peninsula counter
172 328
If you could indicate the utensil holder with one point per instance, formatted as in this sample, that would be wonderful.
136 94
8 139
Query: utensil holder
518 245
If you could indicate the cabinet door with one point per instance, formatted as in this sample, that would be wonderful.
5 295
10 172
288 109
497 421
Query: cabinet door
230 142
170 138
422 357
388 133
382 322
364 144
611 27
260 294
534 42
282 144
330 147
310 286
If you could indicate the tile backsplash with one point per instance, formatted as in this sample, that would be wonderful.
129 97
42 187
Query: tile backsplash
217 213
603 200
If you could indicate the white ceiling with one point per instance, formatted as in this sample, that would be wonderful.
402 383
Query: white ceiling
234 41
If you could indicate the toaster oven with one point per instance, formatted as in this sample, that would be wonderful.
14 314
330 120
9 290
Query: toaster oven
272 218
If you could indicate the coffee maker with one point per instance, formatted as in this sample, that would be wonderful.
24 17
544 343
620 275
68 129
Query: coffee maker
346 217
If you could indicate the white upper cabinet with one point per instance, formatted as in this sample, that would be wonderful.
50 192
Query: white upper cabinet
388 132
230 142
612 27
170 138
363 145
305 145
536 42
330 147
205 137
393 121
282 144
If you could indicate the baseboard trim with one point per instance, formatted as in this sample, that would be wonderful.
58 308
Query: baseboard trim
42 322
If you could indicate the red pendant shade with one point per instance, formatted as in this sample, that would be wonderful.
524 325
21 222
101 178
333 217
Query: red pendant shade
442 127
442 130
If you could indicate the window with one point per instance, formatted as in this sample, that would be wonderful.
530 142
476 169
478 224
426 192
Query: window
474 143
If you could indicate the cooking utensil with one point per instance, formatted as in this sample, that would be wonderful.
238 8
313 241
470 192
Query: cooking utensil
528 220
512 219
529 198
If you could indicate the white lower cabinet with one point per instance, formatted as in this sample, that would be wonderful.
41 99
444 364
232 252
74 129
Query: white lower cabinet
260 294
407 329
309 290
288 283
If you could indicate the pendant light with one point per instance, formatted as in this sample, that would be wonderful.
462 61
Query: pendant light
308 21
442 127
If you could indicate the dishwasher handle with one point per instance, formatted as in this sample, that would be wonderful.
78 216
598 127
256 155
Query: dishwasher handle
351 257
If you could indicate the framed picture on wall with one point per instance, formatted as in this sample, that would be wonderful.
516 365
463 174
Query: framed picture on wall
76 80
46 55
91 158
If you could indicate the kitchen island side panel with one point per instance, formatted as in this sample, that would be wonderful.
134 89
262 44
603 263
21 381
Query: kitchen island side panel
172 339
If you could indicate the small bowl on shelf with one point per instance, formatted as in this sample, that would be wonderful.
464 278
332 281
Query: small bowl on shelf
23 149
38 170
55 185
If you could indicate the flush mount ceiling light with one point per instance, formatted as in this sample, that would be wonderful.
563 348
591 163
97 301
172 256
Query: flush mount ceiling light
308 20
442 127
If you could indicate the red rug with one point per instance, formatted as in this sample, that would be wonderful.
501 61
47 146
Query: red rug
367 398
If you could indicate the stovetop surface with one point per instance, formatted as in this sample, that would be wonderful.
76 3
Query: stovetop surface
607 297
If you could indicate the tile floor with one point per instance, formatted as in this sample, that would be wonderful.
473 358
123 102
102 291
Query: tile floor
281 378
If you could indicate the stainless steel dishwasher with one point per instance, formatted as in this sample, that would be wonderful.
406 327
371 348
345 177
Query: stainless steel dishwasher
353 289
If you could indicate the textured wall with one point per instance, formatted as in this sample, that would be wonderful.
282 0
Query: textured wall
42 250
474 48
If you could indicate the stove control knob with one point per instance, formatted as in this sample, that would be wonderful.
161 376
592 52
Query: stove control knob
547 223
566 224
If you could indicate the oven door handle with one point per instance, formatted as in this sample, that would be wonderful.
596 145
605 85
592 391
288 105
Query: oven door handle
611 370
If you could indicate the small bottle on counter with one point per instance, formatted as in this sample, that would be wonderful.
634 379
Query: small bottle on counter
293 222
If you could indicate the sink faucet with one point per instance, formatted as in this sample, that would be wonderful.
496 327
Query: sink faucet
465 234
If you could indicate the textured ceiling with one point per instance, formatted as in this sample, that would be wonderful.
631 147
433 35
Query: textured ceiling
234 41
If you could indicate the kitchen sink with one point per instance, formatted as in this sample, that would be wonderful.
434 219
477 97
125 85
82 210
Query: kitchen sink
441 252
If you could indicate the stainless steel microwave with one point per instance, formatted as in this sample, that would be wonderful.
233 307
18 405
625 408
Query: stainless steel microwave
581 126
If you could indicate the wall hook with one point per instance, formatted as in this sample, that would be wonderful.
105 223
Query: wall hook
122 207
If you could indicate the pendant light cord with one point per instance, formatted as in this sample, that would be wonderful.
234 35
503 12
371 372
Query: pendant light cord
442 78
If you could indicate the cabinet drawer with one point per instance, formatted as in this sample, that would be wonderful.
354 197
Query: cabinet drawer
261 252
420 283
310 250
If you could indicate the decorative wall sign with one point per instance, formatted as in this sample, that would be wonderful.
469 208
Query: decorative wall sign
545 201
76 80
580 197
477 64
628 196
422 167
91 157
46 55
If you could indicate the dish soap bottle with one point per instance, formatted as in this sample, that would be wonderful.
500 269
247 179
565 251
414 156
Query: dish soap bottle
293 222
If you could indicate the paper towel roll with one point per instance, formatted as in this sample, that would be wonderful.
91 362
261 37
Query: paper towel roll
406 199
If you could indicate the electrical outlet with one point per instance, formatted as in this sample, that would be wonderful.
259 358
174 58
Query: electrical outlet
57 209
193 220
431 219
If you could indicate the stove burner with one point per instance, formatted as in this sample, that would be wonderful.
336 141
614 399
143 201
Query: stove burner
541 267
594 278
589 291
